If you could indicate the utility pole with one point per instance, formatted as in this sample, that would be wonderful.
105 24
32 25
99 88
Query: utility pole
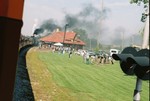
101 5
90 44
132 40
122 41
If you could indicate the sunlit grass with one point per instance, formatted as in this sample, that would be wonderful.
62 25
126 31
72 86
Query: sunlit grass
77 81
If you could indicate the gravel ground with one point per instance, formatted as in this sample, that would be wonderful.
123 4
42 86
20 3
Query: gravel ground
22 89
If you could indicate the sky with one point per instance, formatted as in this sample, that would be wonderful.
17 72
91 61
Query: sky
121 14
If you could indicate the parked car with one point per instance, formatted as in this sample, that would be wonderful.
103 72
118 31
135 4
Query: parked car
101 53
114 51
91 54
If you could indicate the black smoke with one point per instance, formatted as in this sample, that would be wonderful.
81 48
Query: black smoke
89 19
49 25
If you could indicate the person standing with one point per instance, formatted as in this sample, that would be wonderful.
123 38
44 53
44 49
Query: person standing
87 58
70 52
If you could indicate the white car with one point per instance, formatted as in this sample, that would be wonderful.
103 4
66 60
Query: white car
114 51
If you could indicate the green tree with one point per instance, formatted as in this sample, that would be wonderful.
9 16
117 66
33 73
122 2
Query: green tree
146 7
144 14
139 1
90 43
81 33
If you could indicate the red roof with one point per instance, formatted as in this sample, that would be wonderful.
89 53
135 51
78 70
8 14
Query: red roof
59 36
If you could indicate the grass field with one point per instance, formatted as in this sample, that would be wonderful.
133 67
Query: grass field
55 77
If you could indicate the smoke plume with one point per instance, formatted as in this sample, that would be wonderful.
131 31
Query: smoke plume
92 20
49 25
89 19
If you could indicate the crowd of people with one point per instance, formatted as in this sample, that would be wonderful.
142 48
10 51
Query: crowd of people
96 59
87 58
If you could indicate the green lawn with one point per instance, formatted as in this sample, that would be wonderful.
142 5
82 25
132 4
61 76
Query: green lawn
55 77
103 82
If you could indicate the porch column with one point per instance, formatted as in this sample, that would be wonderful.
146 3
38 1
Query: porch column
10 29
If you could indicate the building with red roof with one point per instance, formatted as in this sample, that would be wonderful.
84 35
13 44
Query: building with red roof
67 39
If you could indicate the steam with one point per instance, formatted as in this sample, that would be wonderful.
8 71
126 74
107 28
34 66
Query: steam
34 25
